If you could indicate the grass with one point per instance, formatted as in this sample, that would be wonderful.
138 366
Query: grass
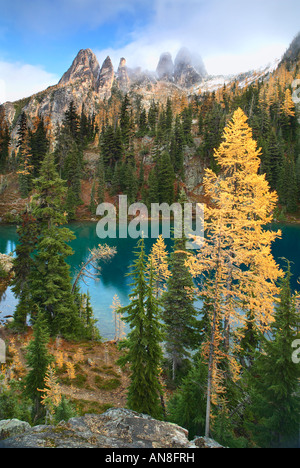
110 384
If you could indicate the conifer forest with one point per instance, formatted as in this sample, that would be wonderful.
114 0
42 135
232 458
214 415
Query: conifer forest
207 338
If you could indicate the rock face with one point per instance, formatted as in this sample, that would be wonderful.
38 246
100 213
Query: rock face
116 428
122 76
165 67
12 428
84 67
85 83
188 70
106 77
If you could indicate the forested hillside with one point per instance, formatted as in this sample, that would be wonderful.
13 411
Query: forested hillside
223 368
133 143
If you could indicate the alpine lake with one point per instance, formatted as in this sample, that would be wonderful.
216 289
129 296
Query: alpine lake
114 277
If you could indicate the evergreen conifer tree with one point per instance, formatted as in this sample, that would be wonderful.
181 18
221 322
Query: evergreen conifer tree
274 389
143 343
23 263
101 180
39 147
165 179
179 315
38 358
50 277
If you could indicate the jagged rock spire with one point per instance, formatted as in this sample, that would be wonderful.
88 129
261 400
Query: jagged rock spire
85 66
165 67
106 76
123 78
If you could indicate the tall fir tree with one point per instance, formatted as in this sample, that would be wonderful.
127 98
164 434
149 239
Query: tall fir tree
180 313
38 358
165 178
50 277
142 345
39 147
274 386
22 266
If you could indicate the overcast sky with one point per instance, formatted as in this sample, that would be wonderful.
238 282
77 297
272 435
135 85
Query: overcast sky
40 38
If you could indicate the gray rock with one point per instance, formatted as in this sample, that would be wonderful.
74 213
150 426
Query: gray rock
106 76
116 428
12 427
165 67
85 66
206 442
122 76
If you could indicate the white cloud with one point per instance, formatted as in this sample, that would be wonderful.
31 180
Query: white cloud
229 37
18 80
239 62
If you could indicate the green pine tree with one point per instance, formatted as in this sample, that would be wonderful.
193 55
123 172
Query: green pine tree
179 313
142 345
101 180
38 358
274 390
165 179
187 405
39 144
23 264
50 277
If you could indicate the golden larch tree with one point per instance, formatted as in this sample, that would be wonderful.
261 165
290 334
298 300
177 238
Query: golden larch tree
159 257
288 106
236 261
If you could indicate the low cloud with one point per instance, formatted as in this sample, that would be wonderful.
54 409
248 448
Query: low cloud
229 38
18 80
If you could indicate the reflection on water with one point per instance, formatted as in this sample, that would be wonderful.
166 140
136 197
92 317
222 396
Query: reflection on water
113 279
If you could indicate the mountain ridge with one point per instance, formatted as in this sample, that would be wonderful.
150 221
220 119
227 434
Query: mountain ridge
88 84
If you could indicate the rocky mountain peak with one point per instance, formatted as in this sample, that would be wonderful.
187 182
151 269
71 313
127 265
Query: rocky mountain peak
106 76
122 74
165 67
85 66
188 68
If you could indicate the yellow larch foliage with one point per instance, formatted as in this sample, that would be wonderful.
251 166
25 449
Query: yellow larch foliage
288 106
60 359
71 370
51 397
159 257
241 204
78 356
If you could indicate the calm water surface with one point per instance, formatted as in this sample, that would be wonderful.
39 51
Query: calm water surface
113 279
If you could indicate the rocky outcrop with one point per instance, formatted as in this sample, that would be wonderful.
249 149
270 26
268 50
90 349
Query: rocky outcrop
105 78
187 70
13 427
165 67
122 76
85 83
84 67
6 262
116 428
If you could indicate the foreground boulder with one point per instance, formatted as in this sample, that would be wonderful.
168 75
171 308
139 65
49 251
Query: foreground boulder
12 427
116 428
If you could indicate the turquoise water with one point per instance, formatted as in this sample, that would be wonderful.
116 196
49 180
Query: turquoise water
113 279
